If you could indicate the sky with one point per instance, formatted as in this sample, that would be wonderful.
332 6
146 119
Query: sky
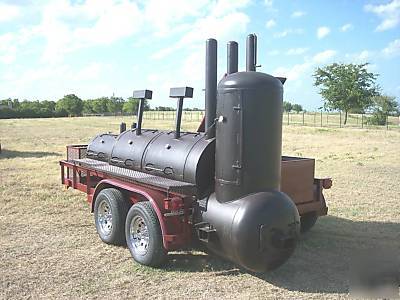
95 48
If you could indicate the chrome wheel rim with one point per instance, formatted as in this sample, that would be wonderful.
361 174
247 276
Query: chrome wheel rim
104 217
139 235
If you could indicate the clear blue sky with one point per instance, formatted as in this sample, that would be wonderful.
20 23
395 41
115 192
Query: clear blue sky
96 48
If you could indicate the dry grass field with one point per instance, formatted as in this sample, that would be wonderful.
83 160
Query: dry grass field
49 247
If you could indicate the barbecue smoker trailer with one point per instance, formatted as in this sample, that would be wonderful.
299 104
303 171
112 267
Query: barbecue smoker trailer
226 187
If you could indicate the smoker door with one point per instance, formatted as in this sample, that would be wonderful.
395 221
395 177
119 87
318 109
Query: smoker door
229 138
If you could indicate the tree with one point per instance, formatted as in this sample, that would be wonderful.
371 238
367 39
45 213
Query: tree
386 104
131 106
287 106
71 104
346 86
115 104
383 107
99 105
297 108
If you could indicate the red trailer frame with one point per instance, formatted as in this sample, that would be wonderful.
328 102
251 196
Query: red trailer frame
174 210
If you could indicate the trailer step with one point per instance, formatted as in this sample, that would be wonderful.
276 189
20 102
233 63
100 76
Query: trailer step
205 231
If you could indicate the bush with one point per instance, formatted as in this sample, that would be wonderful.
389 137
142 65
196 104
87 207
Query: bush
378 118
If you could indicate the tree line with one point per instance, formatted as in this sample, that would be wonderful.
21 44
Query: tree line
349 88
69 105
72 105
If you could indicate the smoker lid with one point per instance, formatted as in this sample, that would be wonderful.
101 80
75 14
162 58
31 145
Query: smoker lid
249 80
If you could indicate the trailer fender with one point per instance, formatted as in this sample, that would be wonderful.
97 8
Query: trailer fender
156 199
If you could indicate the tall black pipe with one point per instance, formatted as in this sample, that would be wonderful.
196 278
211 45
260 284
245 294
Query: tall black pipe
211 87
232 57
178 118
139 117
141 95
122 127
251 52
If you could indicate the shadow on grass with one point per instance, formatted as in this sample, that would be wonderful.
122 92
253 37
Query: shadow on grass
320 263
26 154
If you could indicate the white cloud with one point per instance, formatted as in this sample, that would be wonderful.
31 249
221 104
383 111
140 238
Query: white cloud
295 72
90 72
363 56
298 14
268 3
219 27
393 49
54 81
298 71
163 16
8 49
68 27
296 51
270 23
323 32
388 12
273 52
286 32
324 56
346 27
8 12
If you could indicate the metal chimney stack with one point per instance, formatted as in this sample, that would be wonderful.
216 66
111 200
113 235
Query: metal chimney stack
211 87
232 57
251 52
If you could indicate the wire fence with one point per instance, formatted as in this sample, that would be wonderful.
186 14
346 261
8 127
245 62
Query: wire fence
313 119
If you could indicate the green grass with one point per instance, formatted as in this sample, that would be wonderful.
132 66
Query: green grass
49 247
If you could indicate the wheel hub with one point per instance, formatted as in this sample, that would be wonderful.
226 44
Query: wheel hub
104 217
139 235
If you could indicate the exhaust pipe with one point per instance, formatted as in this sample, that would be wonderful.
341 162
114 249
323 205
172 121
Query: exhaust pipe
211 87
232 57
251 52
122 127
180 93
141 95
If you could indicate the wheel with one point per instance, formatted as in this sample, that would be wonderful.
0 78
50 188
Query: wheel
110 210
143 235
307 221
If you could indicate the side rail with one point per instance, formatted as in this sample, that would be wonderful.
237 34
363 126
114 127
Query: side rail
78 178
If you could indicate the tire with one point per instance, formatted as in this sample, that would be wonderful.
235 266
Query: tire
307 221
110 210
143 235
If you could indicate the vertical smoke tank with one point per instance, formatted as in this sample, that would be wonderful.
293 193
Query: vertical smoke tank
249 135
248 220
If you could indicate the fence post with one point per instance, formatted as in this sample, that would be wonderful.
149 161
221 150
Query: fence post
303 118
315 119
288 118
387 122
362 120
340 119
321 118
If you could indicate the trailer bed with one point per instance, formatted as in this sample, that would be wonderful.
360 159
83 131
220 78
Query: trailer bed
132 176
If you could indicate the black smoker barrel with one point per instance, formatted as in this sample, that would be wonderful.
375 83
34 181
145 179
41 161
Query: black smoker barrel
211 86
